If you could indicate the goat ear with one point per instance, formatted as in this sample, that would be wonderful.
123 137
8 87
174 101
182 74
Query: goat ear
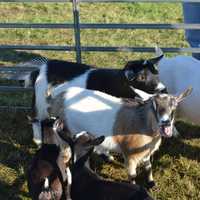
143 95
58 125
81 162
156 60
88 140
184 94
31 119
95 142
82 137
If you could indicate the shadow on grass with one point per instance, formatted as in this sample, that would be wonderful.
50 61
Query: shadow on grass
12 192
176 147
13 157
188 131
16 56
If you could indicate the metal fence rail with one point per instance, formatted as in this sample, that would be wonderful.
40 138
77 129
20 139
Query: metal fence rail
77 26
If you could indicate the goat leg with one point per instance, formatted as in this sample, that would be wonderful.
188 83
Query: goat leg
69 183
132 165
148 169
45 195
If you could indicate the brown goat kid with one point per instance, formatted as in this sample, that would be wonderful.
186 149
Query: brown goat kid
49 176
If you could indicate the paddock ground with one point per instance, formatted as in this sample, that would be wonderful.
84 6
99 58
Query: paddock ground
175 167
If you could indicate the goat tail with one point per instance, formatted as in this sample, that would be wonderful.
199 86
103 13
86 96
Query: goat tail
35 63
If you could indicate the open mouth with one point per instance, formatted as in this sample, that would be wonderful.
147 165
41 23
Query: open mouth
166 130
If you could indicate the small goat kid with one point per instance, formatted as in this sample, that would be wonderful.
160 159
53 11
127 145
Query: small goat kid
49 176
45 178
131 128
88 185
141 74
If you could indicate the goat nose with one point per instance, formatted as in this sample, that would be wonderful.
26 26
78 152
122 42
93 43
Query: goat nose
165 119
166 122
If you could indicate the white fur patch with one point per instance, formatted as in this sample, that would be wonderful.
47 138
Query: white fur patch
91 111
41 87
80 81
164 118
69 176
27 81
107 145
46 183
178 73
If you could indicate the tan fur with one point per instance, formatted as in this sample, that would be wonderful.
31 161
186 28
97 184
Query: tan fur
49 137
63 159
138 139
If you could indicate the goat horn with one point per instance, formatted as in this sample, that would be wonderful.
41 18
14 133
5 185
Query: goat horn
158 51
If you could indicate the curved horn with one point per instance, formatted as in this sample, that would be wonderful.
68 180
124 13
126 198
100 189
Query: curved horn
158 51
145 62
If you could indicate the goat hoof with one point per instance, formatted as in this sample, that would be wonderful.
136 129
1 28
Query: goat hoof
44 196
150 184
111 158
107 158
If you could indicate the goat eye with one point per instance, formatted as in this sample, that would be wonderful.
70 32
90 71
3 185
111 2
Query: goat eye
142 77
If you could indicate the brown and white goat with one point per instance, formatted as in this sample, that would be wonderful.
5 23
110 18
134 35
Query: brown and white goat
131 128
49 176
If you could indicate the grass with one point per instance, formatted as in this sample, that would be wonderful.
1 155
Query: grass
176 165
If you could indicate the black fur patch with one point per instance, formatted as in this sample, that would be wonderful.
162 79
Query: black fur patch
110 81
33 77
60 71
46 150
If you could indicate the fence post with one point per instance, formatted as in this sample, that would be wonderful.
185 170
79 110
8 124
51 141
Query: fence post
77 30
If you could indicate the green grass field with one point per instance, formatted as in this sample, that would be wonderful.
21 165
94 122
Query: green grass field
176 165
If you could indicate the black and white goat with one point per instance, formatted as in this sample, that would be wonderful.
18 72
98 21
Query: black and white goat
131 128
141 74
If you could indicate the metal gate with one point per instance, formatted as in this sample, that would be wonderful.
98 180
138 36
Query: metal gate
77 26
